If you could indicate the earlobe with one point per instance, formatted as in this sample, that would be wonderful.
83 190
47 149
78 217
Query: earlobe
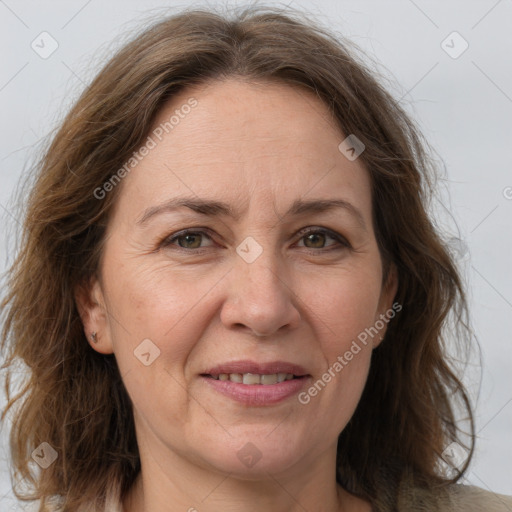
90 304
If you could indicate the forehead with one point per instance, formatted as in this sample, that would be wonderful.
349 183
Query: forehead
240 140
263 115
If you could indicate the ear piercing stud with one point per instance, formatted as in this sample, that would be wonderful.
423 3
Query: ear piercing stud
93 337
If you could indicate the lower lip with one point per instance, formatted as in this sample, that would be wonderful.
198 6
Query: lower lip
257 394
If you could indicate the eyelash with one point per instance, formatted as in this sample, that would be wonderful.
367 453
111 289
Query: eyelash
304 232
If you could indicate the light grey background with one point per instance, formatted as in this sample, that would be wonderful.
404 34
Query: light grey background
463 105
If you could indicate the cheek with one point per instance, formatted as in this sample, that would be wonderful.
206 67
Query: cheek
344 316
171 309
155 301
335 392
343 307
165 308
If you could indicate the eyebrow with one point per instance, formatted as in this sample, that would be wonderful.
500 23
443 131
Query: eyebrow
213 208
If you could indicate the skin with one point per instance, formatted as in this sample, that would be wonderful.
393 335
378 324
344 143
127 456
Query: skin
304 300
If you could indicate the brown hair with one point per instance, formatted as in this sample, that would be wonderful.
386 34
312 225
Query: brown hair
73 397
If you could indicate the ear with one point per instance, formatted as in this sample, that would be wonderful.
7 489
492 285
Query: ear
90 302
387 309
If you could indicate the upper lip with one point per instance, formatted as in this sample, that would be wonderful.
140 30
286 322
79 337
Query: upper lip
258 368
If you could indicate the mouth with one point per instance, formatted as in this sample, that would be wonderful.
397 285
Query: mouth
254 378
256 384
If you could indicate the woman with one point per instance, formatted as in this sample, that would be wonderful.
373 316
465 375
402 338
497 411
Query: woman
230 295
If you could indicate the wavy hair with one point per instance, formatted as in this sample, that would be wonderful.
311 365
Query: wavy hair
73 398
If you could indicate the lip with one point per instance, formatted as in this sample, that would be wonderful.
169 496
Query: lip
257 394
260 368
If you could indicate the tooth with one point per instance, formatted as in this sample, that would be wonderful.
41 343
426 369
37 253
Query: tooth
254 378
269 379
251 378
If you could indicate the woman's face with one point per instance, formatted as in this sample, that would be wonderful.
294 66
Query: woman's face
256 287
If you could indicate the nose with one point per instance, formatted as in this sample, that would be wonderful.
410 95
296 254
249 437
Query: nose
260 298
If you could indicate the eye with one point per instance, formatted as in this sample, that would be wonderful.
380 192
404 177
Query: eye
317 237
190 239
187 239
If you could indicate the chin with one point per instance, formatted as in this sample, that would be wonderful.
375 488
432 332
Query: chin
253 457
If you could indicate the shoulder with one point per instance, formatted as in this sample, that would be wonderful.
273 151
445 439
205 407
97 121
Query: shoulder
452 498
469 498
